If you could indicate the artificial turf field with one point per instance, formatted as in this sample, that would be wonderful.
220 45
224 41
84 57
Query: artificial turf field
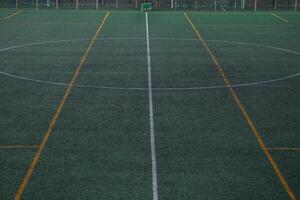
78 89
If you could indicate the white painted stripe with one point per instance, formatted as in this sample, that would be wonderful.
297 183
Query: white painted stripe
151 120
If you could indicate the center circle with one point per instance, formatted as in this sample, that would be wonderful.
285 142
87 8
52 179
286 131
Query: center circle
143 88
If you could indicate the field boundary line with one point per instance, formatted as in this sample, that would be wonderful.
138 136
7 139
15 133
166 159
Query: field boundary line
280 18
53 23
19 146
57 112
12 15
250 25
284 149
245 114
204 25
151 117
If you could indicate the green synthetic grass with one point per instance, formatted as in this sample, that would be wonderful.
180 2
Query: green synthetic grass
100 146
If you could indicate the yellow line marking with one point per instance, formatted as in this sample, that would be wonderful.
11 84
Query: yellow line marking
245 114
12 15
284 149
18 146
280 18
57 113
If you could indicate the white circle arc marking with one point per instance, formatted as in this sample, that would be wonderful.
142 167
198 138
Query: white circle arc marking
142 88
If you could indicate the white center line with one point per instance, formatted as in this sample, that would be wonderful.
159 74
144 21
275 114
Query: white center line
151 120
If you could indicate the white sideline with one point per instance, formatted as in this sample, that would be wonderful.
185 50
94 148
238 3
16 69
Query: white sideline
151 120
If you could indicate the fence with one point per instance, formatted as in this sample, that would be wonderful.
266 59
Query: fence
209 5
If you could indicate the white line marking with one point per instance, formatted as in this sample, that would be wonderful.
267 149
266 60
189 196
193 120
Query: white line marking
258 83
151 120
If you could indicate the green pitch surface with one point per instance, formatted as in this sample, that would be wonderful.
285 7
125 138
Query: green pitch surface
99 120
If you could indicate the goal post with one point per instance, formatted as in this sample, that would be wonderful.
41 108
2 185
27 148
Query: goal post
146 6
242 4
